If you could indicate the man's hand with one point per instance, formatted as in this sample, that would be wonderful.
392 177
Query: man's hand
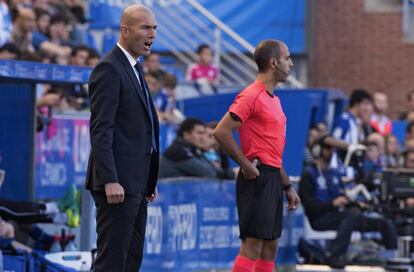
340 201
114 193
154 196
250 171
293 199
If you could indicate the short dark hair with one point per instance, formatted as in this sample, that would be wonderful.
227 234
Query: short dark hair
11 47
93 54
358 96
188 125
406 152
77 49
202 47
266 50
158 75
41 12
59 18
170 81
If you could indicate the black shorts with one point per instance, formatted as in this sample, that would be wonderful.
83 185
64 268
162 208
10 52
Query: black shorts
260 204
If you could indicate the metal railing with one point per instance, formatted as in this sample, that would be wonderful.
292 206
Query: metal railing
185 24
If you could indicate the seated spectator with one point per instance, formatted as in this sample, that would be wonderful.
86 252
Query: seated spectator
155 81
410 106
93 58
6 26
204 74
172 114
79 55
321 191
213 153
23 28
9 51
408 159
313 135
373 164
184 158
392 151
45 31
380 122
152 63
42 22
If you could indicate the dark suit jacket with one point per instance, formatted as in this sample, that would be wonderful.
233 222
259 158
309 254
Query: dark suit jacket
120 129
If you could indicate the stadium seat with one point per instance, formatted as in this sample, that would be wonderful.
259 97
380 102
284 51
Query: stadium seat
312 234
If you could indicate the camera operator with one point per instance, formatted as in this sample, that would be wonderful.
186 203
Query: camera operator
327 208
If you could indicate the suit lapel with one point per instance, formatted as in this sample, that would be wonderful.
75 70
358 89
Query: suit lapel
131 74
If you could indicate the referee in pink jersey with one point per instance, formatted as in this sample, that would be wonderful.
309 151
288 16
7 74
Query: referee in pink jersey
259 118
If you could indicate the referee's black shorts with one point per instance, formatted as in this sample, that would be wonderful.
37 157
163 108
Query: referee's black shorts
260 204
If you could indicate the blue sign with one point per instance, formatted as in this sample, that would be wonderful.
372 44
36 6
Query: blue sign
194 225
62 153
61 156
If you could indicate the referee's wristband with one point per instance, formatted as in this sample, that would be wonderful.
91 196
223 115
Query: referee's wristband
287 187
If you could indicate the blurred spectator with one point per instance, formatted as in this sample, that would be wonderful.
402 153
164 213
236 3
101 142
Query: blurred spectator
408 159
155 81
23 28
9 51
93 58
214 155
313 136
379 120
6 25
42 22
321 191
350 126
152 63
41 5
41 38
410 106
79 56
372 164
204 73
172 114
379 140
76 9
184 158
392 151
59 30
409 132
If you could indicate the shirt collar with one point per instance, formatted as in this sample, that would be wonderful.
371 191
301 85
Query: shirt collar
130 58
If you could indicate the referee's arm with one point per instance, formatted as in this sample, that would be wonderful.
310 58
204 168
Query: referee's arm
224 135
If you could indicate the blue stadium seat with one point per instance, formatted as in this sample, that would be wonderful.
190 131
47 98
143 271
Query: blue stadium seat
109 41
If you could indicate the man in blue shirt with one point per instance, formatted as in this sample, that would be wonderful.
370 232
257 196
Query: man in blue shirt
327 208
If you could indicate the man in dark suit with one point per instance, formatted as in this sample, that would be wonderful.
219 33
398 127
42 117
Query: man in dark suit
123 164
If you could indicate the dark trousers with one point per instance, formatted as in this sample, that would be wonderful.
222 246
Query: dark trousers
344 223
121 232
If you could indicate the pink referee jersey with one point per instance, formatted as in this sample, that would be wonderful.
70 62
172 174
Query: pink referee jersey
263 130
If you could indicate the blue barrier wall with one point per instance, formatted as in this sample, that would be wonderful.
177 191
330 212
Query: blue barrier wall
194 225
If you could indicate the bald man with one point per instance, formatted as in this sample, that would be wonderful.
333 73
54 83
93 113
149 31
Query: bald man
123 164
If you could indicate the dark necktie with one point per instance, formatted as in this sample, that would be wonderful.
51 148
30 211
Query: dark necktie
145 91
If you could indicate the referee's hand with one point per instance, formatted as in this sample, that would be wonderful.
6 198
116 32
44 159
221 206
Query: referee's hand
250 171
292 199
